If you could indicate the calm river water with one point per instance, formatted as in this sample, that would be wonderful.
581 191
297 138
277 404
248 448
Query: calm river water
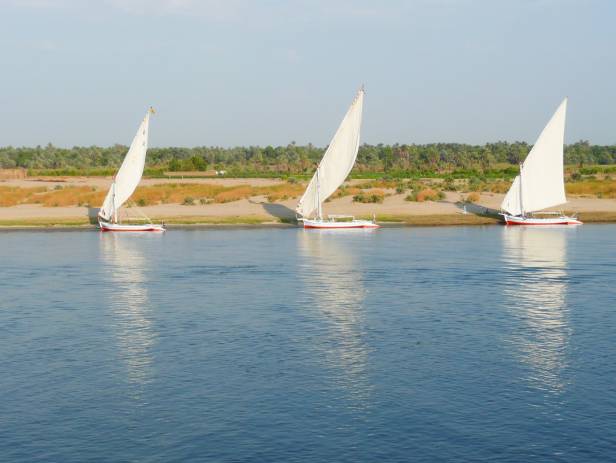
267 345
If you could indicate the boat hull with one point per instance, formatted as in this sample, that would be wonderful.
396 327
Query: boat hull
117 227
333 225
561 220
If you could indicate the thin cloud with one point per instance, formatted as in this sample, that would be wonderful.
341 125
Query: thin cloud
226 10
41 4
209 9
292 56
218 10
45 45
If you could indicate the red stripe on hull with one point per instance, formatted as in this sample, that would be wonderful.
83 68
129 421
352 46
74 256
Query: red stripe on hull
344 228
132 231
543 224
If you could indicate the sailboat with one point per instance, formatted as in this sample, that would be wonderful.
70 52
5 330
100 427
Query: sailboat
541 183
332 171
124 184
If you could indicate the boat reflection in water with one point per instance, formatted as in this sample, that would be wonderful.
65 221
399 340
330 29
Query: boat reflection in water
535 292
333 286
127 296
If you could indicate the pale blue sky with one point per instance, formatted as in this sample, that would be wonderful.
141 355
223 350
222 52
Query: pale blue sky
239 72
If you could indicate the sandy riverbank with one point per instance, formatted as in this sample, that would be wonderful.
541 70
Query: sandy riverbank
258 210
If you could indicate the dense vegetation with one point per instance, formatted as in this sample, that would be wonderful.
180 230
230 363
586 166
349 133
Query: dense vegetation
501 158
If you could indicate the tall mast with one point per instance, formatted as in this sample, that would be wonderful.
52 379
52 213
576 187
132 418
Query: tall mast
521 198
113 203
319 209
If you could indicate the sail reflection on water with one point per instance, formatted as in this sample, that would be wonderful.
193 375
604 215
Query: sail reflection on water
535 290
333 286
127 297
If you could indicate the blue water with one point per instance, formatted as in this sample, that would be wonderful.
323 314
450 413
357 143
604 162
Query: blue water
267 345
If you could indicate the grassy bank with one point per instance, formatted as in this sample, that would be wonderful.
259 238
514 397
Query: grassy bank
182 220
42 222
432 220
435 219
208 220
597 217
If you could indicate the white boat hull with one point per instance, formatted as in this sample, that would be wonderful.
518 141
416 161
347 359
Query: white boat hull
331 224
560 220
117 227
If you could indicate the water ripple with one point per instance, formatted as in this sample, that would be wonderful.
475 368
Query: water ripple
423 344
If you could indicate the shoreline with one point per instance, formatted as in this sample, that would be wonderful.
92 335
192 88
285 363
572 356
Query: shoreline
43 203
251 222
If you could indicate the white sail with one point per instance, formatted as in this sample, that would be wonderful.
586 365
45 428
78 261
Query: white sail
337 161
512 203
542 173
128 177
